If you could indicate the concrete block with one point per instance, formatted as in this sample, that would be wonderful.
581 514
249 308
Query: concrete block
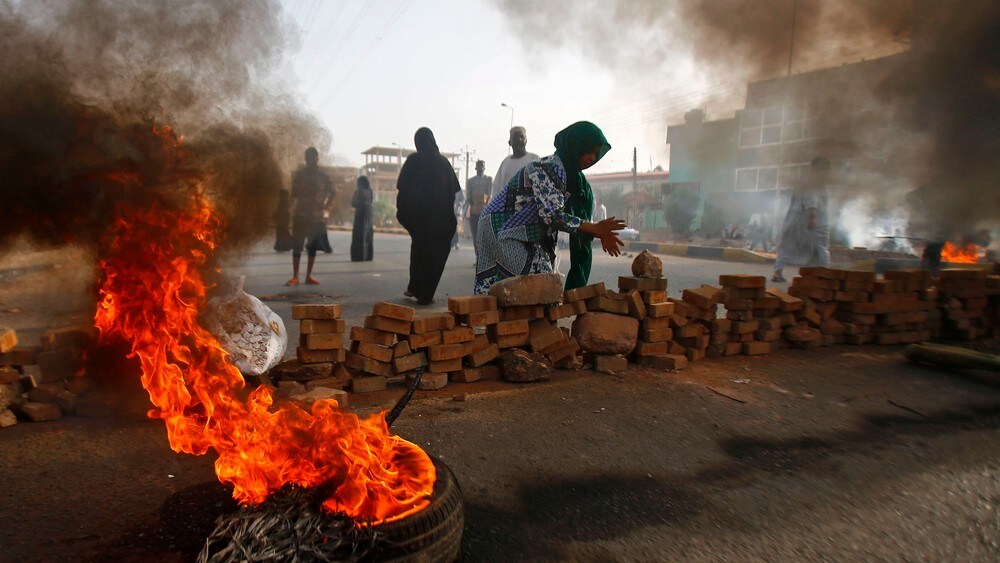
531 289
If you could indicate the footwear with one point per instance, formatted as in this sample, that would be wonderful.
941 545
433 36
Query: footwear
312 281
408 293
293 281
778 279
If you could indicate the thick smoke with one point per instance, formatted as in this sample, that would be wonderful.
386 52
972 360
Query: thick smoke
90 90
940 108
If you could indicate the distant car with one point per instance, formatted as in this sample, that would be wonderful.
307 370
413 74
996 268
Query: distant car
628 233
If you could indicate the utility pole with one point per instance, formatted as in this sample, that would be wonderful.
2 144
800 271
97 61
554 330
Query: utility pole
775 225
635 184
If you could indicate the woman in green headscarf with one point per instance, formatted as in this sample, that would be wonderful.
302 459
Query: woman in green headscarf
518 229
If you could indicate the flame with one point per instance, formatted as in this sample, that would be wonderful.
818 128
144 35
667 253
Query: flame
150 295
967 253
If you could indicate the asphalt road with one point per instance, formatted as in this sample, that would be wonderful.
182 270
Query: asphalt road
841 453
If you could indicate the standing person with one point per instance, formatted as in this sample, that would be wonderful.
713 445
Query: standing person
282 220
362 235
477 195
805 235
759 232
601 212
426 209
312 194
518 229
518 142
459 212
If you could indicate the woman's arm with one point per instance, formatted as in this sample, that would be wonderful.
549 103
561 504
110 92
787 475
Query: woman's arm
605 230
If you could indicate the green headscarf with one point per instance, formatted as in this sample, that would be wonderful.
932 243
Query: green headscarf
571 143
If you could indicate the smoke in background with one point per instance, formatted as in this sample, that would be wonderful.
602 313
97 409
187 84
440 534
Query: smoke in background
88 86
941 107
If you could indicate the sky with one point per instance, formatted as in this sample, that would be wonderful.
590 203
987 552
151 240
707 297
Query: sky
376 71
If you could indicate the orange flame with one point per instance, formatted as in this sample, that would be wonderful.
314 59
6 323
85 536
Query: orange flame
967 253
150 295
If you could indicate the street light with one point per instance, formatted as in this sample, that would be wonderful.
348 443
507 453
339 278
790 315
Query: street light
511 113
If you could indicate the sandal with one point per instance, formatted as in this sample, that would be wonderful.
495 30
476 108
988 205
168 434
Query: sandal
312 281
408 293
778 279
293 281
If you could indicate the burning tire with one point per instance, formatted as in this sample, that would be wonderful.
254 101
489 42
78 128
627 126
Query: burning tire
434 533
292 526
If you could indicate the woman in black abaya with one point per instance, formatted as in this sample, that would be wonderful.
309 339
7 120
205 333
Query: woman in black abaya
362 234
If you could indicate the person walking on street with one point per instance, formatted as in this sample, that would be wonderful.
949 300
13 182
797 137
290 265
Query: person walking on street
282 217
477 195
518 142
805 235
312 195
362 235
425 207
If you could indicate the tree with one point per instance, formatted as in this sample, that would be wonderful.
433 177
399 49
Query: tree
682 205
383 213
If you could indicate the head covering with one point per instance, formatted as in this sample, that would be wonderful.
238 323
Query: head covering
424 141
572 143
363 183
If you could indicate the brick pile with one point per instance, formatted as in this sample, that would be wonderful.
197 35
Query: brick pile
42 383
648 303
755 317
968 300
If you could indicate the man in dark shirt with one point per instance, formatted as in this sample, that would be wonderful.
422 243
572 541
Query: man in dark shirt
312 195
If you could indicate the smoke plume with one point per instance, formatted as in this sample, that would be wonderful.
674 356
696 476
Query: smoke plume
95 96
938 111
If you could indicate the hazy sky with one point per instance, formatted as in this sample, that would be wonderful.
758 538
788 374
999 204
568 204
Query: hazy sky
376 70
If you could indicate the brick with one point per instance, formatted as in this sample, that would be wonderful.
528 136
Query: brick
656 335
654 323
512 340
467 375
815 283
374 351
441 352
20 356
324 341
368 365
424 340
457 335
789 303
362 334
367 384
736 316
720 326
738 305
695 354
316 311
734 348
485 355
656 296
584 293
695 341
650 348
729 293
386 324
466 304
542 335
811 316
704 297
610 363
628 283
565 349
478 343
604 303
636 308
531 289
504 328
404 364
565 310
742 281
756 348
394 311
820 272
668 361
327 383
41 412
768 335
60 363
766 303
689 330
522 312
428 323
317 326
323 393
401 349
480 318
9 375
491 372
660 309
444 366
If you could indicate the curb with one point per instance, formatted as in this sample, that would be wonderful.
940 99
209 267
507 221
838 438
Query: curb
705 252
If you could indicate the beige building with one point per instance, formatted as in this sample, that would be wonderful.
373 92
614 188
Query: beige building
382 166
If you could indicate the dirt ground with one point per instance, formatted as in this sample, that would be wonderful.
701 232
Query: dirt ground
842 453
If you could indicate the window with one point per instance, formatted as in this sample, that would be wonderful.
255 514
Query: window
773 125
757 179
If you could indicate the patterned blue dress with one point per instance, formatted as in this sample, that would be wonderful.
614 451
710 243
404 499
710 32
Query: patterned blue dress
518 228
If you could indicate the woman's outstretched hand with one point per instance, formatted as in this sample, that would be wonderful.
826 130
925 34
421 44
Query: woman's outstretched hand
606 231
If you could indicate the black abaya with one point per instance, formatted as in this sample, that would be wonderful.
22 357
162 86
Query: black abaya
362 235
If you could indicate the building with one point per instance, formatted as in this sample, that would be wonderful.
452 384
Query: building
641 209
746 164
382 165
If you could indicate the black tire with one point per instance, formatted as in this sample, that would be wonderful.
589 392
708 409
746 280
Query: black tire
434 533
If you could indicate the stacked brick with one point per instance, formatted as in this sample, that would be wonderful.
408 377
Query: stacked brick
968 300
693 320
647 301
42 383
755 317
321 334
